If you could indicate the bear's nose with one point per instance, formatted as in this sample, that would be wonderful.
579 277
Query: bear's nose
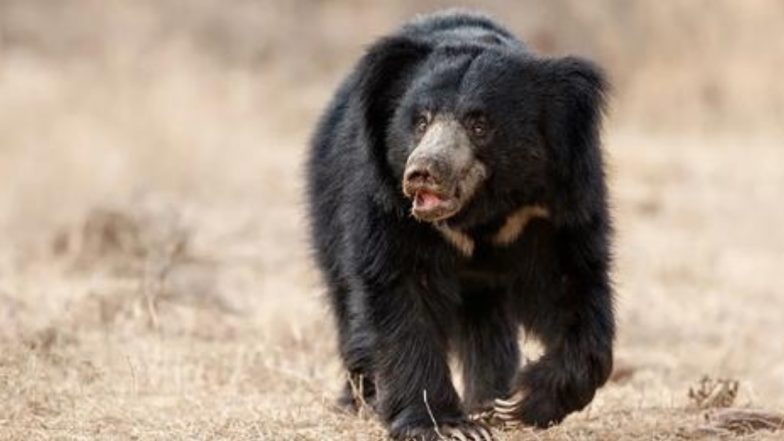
418 175
421 174
424 174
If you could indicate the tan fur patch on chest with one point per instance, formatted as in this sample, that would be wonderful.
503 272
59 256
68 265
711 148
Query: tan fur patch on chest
512 228
463 242
516 222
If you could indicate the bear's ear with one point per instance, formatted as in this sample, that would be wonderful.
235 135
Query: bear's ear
383 75
572 114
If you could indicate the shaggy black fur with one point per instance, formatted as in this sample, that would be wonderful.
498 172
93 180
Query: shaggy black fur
405 297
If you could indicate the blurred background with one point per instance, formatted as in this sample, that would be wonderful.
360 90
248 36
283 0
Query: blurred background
155 281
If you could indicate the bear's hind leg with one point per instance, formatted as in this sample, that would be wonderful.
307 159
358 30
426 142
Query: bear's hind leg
360 387
354 344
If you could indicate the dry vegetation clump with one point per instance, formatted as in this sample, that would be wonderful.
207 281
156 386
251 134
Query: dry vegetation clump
728 422
711 393
718 395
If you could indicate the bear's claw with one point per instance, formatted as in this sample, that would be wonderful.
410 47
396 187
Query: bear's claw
466 431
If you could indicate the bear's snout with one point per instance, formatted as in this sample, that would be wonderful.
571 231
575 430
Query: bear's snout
436 169
439 156
428 185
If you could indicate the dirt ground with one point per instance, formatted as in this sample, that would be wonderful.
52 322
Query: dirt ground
155 282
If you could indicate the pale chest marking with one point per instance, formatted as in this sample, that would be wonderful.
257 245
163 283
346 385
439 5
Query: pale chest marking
512 228
460 240
516 222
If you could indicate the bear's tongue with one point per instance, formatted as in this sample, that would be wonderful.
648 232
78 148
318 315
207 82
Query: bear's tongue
426 200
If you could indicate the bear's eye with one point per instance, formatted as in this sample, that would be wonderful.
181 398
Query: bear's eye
420 124
478 127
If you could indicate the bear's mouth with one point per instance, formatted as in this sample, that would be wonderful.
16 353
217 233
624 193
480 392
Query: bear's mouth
430 206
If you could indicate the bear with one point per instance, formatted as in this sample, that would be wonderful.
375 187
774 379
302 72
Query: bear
456 196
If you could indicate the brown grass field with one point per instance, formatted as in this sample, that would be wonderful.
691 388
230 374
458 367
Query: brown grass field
155 282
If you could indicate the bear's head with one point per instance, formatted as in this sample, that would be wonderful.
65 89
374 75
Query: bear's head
465 134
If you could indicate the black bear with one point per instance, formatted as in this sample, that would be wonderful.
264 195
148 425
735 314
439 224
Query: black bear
456 194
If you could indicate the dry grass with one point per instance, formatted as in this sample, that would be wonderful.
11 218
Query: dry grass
154 278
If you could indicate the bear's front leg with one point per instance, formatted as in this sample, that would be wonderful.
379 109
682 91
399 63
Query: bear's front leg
570 309
563 381
416 397
488 348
